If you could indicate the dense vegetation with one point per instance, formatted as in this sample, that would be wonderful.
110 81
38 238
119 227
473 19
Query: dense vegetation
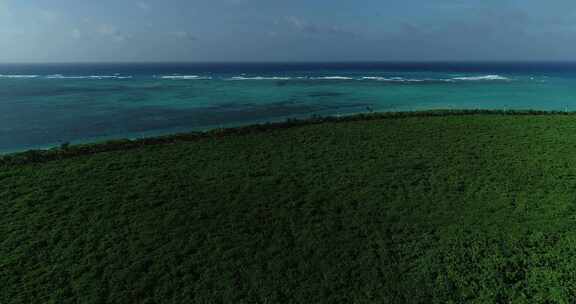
417 209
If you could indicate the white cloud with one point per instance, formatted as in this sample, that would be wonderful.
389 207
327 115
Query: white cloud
317 29
297 22
4 10
184 35
76 34
143 6
113 32
121 38
106 29
50 15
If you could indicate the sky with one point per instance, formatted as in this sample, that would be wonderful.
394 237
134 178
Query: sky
280 30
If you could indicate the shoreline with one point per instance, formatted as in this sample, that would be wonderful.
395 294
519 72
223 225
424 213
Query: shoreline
68 150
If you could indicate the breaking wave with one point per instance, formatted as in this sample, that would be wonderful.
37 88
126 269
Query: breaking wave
260 78
332 78
378 78
18 76
401 79
59 76
454 79
481 78
184 77
277 78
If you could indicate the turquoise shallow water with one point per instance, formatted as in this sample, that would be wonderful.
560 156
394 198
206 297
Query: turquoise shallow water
45 105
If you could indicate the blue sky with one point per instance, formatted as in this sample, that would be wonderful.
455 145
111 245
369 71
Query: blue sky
295 30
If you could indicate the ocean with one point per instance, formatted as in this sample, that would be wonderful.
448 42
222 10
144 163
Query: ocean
45 105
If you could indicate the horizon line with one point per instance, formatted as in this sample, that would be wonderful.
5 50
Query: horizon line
298 62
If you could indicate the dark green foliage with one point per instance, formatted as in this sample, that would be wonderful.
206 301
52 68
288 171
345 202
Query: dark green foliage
426 208
67 151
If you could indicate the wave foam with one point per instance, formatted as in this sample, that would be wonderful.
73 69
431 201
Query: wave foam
332 78
480 78
401 79
184 77
18 76
260 78
375 78
59 76
341 78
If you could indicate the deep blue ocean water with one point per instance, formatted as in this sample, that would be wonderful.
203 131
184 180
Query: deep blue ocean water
44 105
